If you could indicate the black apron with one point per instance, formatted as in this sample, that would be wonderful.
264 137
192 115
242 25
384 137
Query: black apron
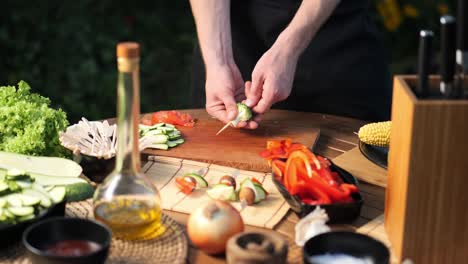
342 71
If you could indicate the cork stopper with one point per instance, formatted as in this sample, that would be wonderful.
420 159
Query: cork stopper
128 50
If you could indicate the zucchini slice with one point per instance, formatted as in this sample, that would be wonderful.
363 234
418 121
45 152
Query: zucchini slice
22 211
41 165
58 194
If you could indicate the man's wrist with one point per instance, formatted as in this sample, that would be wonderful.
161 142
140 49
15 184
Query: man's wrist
290 43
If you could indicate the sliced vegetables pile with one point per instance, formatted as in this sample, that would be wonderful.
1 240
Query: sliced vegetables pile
160 136
170 117
30 184
21 198
306 175
250 190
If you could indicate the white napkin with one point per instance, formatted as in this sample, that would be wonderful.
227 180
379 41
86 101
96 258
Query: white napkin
311 225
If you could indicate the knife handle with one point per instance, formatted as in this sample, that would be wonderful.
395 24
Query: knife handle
447 46
424 59
462 21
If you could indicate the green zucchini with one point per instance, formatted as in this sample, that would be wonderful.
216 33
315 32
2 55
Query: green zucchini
22 211
3 202
29 200
4 187
159 146
54 180
40 165
14 200
58 194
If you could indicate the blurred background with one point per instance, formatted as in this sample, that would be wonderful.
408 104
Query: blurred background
66 49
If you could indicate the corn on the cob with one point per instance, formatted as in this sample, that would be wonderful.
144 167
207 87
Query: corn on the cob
376 134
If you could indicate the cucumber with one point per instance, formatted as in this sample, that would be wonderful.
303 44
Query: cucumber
15 172
159 146
79 192
3 187
178 141
46 200
14 200
3 202
22 211
169 125
159 139
41 165
166 128
260 193
24 184
201 182
47 180
58 194
29 200
8 214
222 192
26 218
153 132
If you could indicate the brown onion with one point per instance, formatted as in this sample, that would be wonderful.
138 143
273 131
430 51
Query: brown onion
211 225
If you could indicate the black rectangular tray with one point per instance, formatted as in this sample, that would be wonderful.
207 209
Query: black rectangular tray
337 212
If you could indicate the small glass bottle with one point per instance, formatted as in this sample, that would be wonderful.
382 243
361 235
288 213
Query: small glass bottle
127 201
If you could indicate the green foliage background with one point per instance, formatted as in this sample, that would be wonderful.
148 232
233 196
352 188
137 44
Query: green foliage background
66 49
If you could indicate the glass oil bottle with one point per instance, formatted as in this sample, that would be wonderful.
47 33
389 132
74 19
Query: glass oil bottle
127 201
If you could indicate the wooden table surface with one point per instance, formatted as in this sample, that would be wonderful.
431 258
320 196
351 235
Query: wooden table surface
337 135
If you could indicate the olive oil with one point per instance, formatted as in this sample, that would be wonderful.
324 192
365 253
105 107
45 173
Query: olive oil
127 201
130 218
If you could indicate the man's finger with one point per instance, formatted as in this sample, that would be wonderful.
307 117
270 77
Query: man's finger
253 91
231 107
266 101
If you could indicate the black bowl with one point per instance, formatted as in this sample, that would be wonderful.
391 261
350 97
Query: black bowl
41 235
337 212
348 243
11 233
378 155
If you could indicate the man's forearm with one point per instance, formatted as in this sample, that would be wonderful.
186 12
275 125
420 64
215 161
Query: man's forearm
213 21
310 16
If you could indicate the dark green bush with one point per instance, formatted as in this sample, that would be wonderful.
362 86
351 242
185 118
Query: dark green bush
66 51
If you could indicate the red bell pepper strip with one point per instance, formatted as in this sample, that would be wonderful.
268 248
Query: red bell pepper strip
325 174
290 177
313 191
301 157
278 167
273 144
184 186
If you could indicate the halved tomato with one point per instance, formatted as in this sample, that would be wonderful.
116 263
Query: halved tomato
172 117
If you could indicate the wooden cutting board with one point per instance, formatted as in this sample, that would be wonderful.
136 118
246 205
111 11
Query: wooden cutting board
358 165
238 148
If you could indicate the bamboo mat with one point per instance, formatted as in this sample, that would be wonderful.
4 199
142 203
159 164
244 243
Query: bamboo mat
169 248
164 170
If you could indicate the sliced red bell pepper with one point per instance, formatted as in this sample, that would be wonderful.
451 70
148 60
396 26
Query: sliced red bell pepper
278 168
273 144
325 174
184 186
313 191
265 154
301 157
290 177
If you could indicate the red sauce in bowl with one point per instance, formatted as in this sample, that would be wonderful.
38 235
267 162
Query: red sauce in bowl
72 248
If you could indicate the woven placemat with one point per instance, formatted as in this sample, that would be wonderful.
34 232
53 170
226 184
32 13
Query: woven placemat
170 247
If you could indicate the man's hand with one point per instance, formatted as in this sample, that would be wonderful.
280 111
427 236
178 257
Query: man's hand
272 78
224 87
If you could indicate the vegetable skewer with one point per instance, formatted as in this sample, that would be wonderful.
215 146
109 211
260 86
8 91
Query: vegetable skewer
243 114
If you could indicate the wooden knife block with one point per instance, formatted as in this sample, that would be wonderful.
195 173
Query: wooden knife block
426 206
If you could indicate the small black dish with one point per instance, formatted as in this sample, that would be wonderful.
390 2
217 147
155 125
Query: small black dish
348 243
337 212
41 235
378 155
11 233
